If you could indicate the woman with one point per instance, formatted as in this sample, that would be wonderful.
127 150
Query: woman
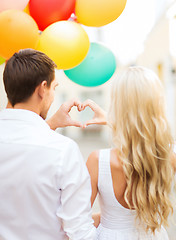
134 179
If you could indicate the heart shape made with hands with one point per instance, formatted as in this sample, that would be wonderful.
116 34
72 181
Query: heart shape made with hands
98 118
81 116
62 118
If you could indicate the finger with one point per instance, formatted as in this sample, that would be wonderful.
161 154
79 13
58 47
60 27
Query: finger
80 107
75 123
77 103
73 103
90 122
84 126
91 104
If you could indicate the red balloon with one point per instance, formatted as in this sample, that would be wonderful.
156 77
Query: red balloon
46 12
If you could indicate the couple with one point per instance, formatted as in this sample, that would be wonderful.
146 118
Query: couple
46 191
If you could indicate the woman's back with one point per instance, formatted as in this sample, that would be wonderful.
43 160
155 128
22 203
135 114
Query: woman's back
117 221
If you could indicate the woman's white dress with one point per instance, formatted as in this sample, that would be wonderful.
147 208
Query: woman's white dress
117 222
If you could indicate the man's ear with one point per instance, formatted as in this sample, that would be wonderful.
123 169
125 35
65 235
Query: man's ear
42 88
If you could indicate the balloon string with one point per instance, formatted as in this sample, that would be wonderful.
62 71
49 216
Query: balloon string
73 18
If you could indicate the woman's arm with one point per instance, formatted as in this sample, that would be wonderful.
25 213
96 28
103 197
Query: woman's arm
92 165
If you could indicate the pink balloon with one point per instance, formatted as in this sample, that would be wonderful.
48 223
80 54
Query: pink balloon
13 4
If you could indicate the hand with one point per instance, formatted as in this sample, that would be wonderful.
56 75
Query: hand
62 118
99 116
96 218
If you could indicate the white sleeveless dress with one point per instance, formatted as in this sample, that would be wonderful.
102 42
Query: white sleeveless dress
117 222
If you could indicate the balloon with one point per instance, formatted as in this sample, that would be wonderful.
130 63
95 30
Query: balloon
17 31
97 68
2 60
96 13
46 12
26 10
13 4
65 42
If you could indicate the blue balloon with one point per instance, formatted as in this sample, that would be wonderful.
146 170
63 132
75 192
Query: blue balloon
96 69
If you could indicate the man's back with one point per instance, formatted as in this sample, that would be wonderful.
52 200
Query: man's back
41 174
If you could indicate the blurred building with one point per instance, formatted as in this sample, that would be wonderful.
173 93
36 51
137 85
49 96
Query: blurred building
160 55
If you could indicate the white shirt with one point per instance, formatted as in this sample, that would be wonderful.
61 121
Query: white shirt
44 184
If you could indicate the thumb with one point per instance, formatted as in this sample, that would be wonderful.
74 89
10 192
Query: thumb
89 122
75 123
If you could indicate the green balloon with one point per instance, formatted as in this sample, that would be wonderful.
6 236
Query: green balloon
2 60
96 69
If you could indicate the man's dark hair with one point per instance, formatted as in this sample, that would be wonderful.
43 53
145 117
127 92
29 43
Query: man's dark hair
24 71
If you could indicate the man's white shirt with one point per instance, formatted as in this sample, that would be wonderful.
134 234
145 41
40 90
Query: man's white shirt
44 184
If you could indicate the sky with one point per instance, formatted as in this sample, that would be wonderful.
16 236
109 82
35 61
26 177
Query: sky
126 36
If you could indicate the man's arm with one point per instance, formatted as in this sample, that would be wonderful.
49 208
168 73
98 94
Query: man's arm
75 210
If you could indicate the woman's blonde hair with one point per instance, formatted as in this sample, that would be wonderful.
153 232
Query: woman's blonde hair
142 137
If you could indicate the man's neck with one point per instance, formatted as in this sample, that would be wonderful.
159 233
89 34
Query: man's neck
26 106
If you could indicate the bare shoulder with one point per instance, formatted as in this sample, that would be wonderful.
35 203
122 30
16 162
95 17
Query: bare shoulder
92 165
93 158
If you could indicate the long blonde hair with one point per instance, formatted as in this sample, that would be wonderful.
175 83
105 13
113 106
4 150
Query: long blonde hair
142 137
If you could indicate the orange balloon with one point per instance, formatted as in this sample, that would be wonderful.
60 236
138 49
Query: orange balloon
18 31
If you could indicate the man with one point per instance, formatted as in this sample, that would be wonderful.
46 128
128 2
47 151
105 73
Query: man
44 185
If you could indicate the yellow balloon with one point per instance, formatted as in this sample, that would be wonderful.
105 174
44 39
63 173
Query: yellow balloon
66 43
97 13
26 10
